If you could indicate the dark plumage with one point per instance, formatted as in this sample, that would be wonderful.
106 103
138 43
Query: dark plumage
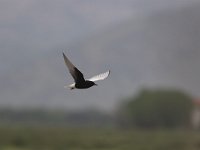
80 82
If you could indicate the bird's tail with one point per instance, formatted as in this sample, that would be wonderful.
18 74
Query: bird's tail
71 86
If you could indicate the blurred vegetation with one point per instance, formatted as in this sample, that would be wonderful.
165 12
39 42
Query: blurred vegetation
157 109
61 138
166 112
81 118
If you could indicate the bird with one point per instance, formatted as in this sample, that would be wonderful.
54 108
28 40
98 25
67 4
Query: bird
79 81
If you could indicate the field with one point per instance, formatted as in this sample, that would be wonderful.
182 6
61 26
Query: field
63 138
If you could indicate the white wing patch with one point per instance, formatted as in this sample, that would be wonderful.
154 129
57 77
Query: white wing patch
101 76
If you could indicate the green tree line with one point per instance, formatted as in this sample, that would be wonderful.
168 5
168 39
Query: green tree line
159 108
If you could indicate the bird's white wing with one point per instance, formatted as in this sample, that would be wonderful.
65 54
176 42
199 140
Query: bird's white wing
101 76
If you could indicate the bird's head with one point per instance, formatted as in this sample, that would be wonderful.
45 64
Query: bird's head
90 83
93 83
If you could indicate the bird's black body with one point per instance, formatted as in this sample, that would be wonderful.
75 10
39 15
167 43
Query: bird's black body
80 82
84 85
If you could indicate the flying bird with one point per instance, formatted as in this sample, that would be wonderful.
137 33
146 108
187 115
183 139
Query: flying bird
80 82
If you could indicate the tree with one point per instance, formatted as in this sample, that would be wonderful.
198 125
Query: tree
158 108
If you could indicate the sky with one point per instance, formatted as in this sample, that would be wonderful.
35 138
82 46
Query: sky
33 34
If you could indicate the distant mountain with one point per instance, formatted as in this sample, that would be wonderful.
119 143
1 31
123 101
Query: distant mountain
157 49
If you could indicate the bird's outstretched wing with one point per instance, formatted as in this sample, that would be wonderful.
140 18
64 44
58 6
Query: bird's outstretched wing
76 74
101 76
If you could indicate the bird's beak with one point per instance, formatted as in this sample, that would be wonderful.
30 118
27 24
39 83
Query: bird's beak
95 84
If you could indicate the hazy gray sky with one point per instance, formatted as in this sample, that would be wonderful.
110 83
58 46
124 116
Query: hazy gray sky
120 35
